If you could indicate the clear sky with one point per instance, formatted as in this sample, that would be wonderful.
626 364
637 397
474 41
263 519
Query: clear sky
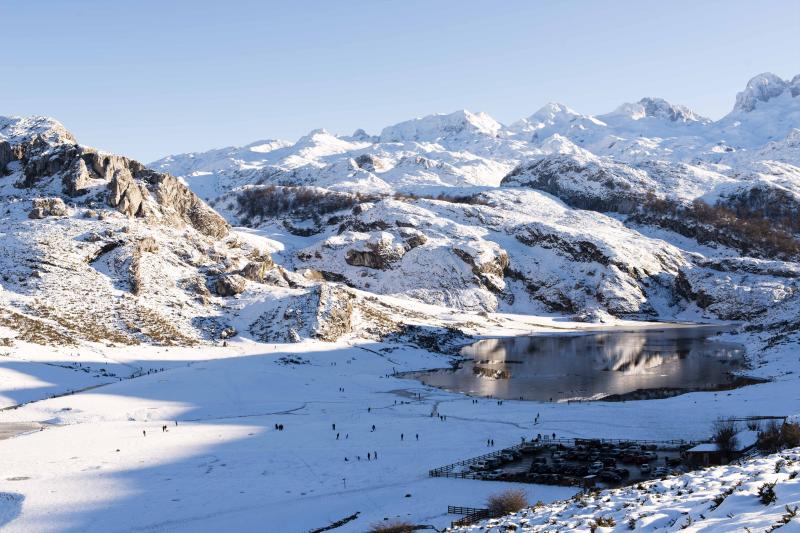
149 78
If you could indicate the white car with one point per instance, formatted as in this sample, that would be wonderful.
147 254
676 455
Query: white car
645 468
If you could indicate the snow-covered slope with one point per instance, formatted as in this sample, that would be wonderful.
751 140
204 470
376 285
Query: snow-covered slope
721 499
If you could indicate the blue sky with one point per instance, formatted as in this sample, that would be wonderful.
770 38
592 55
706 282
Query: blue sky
150 78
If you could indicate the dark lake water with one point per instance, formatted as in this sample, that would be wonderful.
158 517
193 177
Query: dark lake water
614 365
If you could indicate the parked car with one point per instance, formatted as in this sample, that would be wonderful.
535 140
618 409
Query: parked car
622 472
595 468
645 468
661 471
610 476
480 465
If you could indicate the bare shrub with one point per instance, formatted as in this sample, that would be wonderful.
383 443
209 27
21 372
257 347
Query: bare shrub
394 526
790 434
769 438
775 437
749 231
724 433
506 502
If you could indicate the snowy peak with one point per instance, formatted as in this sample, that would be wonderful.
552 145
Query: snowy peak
21 129
432 128
763 88
659 109
553 112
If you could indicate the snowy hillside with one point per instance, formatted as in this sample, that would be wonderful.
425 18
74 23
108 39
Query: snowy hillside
716 500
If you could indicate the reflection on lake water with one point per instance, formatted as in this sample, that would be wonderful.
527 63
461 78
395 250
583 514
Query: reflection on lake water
640 363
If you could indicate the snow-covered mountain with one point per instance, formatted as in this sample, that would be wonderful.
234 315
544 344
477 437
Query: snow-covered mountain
650 211
532 201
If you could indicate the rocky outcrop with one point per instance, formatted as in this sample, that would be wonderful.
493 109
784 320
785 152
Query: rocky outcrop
739 294
584 182
489 265
379 252
229 285
133 189
77 181
48 207
126 194
369 162
257 271
323 312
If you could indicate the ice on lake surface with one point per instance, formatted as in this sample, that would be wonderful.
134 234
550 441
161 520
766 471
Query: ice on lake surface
641 363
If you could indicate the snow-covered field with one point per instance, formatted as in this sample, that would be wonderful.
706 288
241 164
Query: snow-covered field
225 466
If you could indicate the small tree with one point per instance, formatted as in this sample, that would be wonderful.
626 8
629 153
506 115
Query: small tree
766 493
506 502
724 433
769 438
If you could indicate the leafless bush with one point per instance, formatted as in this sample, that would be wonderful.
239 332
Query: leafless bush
775 436
506 502
724 433
395 526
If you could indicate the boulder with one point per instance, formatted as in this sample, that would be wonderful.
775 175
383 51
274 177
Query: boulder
379 252
257 270
48 207
229 285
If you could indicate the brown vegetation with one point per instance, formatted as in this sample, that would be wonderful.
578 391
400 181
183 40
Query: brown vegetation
395 526
747 231
506 502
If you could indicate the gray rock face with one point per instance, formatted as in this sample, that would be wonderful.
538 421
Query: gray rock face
48 207
133 189
229 285
378 253
7 155
126 194
257 270
76 182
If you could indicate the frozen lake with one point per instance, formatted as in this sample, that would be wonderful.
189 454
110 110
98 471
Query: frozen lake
630 364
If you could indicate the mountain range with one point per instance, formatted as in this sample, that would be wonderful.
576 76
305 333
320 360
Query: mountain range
651 211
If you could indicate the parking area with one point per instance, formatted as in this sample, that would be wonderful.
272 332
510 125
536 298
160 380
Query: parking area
575 462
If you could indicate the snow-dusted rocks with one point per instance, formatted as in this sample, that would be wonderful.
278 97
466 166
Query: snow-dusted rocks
761 89
48 207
